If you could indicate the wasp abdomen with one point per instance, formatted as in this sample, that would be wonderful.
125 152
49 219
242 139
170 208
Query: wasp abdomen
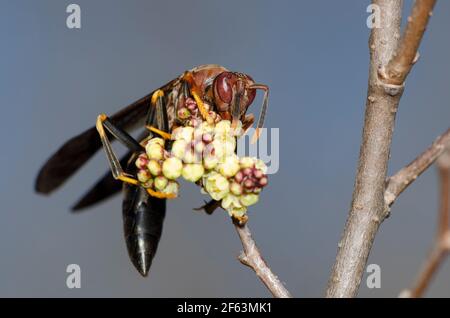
143 218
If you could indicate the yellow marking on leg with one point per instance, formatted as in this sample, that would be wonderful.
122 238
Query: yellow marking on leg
159 132
99 124
157 94
202 108
129 180
161 195
256 135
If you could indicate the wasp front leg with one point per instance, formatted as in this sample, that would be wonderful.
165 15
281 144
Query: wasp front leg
196 94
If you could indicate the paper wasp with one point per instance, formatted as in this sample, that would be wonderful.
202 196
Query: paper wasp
229 94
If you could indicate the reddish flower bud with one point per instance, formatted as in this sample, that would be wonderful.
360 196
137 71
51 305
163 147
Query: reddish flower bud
183 113
239 177
248 183
247 171
191 106
207 138
141 161
258 173
263 181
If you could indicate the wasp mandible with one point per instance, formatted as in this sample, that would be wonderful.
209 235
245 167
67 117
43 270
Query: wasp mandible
227 93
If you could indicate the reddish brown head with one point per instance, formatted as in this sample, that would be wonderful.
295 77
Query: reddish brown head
234 92
231 88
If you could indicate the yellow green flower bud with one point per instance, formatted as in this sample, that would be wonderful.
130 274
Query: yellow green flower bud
229 146
179 148
185 133
230 166
236 188
172 187
172 168
199 147
193 172
216 185
154 150
249 199
154 167
210 161
246 162
230 202
205 127
148 184
223 127
160 183
190 156
259 164
143 175
156 140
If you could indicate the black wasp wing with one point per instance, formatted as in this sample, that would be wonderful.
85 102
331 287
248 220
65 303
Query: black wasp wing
78 150
106 187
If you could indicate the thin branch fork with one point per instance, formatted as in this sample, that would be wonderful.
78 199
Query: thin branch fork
251 257
397 183
441 246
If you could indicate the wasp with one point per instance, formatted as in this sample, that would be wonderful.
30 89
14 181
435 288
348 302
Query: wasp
213 87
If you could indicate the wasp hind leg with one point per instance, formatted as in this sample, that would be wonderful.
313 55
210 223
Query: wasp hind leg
116 169
104 123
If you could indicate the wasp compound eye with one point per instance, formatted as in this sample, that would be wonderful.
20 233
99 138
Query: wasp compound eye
223 86
223 90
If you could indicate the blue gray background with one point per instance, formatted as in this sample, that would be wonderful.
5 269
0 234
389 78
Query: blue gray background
313 55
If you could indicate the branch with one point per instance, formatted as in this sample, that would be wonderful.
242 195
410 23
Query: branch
407 175
406 55
252 258
441 246
368 207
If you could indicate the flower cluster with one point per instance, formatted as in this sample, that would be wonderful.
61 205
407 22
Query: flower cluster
237 182
203 153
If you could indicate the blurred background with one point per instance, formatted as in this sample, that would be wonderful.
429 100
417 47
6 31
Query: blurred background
54 81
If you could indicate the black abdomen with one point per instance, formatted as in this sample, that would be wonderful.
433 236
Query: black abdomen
143 218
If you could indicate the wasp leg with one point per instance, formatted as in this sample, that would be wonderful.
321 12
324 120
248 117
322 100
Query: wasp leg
262 114
236 104
248 122
195 92
116 169
157 115
159 132
209 207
